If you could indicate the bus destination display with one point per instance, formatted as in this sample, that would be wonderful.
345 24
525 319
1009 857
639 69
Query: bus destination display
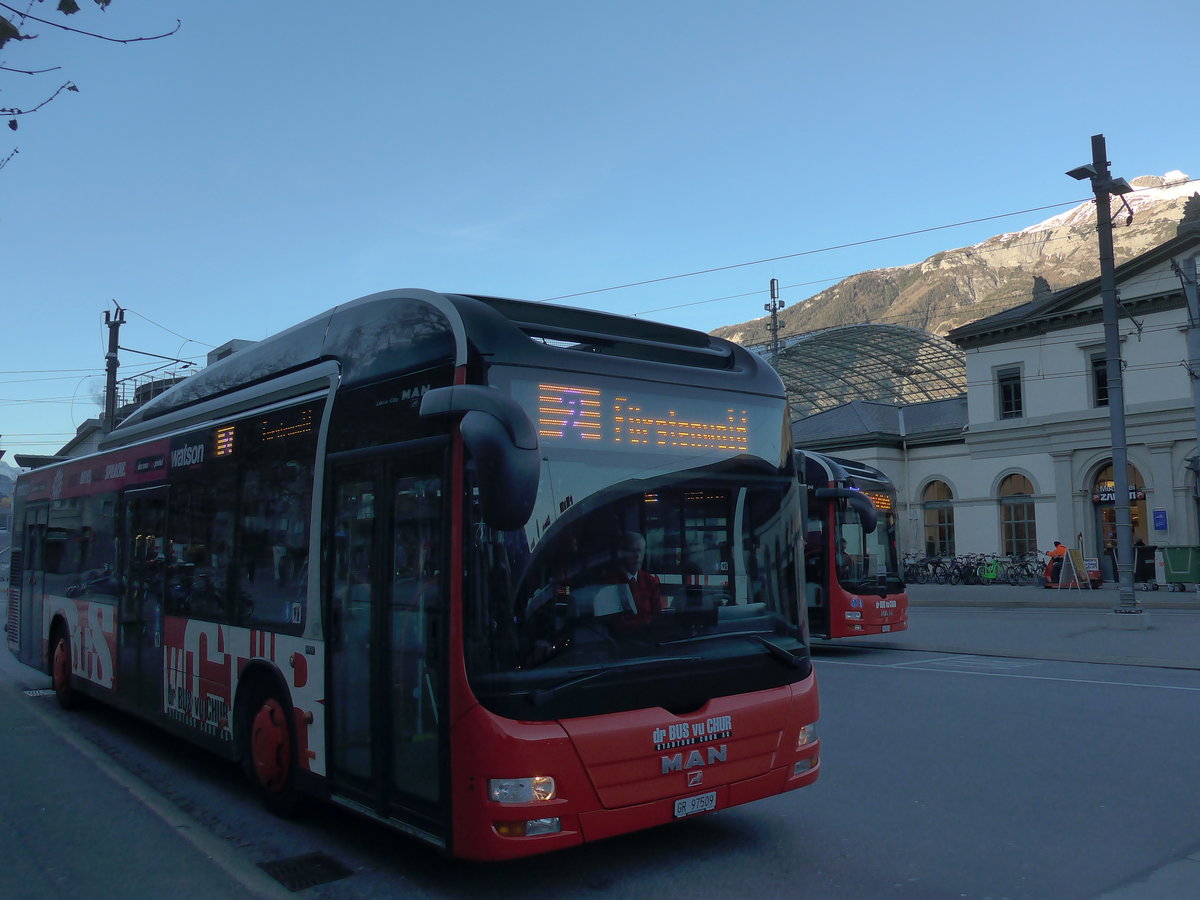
881 500
627 419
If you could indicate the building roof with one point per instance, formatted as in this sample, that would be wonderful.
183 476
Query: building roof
872 422
889 363
1079 304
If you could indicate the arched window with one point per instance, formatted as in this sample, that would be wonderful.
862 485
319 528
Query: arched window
1018 531
936 501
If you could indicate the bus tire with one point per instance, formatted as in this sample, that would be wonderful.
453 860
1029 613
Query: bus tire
65 693
269 753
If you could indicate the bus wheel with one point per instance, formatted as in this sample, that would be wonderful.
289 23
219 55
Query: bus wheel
269 752
60 670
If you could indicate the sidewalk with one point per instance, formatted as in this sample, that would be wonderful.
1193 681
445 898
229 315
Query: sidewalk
1035 623
1007 596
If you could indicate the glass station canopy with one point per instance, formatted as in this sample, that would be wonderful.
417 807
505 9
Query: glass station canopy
885 363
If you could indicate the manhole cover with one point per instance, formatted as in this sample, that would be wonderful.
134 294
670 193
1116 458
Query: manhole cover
299 872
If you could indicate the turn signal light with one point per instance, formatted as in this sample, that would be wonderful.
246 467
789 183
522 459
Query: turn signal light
528 828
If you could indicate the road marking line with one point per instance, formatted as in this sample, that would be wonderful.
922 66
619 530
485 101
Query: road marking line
925 666
986 662
921 662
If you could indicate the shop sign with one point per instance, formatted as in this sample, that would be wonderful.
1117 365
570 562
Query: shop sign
1107 493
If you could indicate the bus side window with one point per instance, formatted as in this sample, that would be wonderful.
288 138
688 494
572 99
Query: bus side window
195 552
272 559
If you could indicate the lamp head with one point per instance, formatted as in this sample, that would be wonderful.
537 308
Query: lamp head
1081 173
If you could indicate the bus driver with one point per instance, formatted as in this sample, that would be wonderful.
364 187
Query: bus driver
644 586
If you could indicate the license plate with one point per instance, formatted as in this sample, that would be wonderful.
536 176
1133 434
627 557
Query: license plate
689 806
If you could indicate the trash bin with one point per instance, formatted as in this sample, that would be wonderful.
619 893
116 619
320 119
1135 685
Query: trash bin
1144 568
1176 566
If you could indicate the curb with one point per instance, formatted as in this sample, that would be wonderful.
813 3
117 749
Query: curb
1040 603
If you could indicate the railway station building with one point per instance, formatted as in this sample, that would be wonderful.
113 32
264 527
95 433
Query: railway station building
998 436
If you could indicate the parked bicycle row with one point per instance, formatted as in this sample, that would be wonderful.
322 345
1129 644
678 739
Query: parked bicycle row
973 568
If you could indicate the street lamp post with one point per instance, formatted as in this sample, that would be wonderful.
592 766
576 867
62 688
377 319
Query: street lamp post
1104 186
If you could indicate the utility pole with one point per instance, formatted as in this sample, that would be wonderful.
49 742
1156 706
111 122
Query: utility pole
111 362
773 308
1104 186
1186 270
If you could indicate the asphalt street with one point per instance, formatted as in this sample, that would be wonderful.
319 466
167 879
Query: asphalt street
982 620
1089 626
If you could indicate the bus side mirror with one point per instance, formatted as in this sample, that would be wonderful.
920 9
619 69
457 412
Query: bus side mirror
857 499
503 443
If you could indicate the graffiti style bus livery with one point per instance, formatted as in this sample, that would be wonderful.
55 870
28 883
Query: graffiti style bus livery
508 577
852 572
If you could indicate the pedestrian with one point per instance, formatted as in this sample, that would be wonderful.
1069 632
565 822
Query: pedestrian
1056 563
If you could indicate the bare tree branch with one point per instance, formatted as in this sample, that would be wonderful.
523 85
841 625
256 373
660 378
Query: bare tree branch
101 37
29 71
13 111
13 32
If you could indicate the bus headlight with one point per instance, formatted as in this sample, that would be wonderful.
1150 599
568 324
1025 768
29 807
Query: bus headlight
807 737
522 790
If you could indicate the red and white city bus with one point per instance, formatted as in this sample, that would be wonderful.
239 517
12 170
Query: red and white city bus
852 571
507 576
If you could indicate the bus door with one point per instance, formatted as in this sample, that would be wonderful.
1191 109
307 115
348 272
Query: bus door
145 572
817 566
30 575
387 638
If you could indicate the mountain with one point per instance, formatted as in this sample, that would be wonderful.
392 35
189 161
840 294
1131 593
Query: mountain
958 286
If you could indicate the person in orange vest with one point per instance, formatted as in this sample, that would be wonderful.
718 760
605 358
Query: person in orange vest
1056 563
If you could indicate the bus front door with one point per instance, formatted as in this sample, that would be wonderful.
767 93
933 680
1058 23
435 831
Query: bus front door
29 577
818 577
387 636
146 566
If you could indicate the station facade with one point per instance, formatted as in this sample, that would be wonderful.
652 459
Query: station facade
1023 457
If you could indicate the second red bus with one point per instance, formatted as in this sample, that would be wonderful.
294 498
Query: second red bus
853 578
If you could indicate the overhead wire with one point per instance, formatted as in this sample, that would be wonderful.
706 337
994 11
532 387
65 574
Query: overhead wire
922 317
800 253
183 337
1081 232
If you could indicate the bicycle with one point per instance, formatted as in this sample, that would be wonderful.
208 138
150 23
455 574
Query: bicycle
1023 571
992 570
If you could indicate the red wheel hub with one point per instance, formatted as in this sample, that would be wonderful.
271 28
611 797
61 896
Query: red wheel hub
271 746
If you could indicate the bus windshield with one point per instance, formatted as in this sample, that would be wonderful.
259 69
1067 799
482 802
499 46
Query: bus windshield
867 560
664 592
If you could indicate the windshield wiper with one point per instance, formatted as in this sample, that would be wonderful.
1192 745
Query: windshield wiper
717 636
784 655
545 695
867 586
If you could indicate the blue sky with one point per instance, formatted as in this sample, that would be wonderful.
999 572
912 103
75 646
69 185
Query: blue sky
270 161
